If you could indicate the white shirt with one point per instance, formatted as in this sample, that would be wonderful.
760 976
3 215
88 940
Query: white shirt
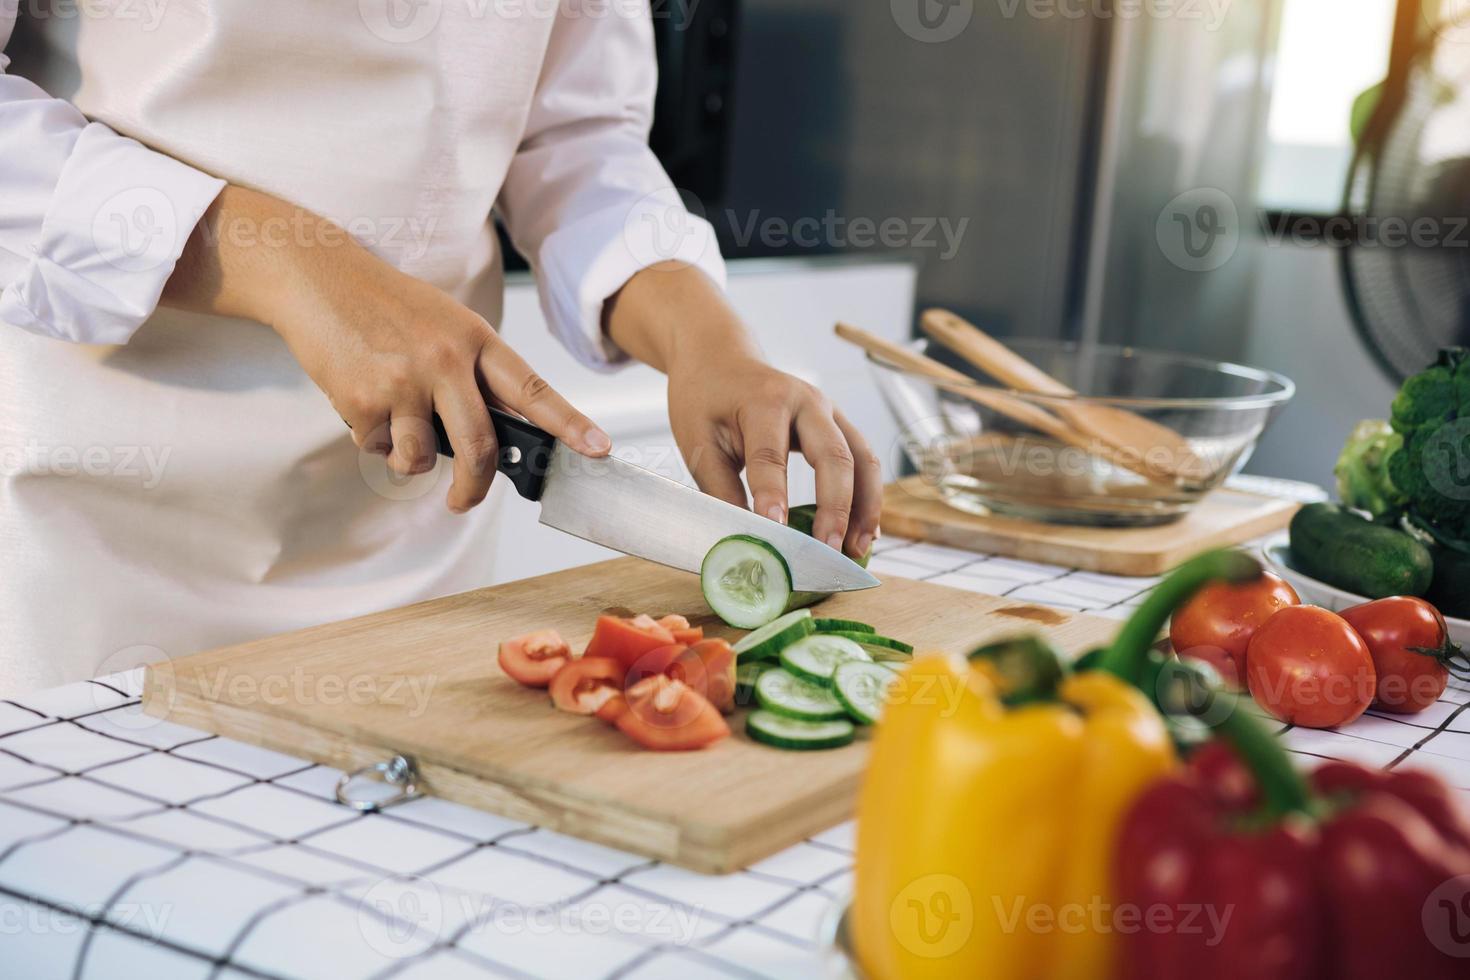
169 481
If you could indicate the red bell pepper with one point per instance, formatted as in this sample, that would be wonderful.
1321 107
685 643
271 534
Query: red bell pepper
1357 874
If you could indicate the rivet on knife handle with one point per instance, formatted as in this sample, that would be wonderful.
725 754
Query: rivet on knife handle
525 451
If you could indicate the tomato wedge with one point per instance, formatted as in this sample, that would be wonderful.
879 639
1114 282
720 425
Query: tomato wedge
709 668
625 640
655 661
535 658
670 716
679 626
612 709
583 686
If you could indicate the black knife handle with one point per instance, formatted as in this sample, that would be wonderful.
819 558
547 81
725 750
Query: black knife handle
525 451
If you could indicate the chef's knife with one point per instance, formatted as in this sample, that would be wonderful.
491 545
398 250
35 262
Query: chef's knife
630 509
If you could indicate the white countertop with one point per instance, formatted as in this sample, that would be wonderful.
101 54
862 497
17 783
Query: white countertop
132 847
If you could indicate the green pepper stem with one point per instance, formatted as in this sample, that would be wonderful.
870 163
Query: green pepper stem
1282 787
1126 657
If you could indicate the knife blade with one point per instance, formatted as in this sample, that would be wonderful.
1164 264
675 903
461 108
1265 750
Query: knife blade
636 511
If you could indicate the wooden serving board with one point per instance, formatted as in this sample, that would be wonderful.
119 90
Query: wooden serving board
422 681
914 509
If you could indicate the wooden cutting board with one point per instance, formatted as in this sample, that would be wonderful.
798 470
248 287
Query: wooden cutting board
913 509
422 681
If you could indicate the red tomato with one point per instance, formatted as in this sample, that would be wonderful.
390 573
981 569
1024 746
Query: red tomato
709 668
612 709
1306 666
535 658
1217 624
683 632
670 716
625 640
585 685
1411 648
655 661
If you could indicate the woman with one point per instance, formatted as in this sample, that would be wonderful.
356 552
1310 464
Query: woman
213 213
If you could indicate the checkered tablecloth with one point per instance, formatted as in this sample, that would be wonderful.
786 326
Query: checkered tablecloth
132 847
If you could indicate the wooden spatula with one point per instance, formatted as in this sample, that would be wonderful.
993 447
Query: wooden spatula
1016 409
1158 451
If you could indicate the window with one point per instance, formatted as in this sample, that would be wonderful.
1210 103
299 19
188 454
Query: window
1328 53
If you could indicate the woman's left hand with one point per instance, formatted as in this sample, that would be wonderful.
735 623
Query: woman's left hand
730 410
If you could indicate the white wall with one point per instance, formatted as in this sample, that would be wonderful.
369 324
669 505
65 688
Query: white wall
791 304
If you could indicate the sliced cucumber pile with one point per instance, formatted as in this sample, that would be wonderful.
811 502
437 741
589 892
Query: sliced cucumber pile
816 657
767 642
745 678
782 692
789 733
822 625
862 688
881 647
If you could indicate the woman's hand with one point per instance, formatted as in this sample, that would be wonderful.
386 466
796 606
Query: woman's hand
731 410
387 349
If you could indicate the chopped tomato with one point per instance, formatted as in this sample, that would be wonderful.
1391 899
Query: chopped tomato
655 661
670 716
612 709
535 658
709 668
585 685
625 640
679 626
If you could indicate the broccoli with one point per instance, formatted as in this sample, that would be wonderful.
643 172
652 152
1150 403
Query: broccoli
1431 470
1362 471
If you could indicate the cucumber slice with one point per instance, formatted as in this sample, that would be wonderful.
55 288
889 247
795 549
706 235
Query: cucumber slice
841 626
767 642
745 678
863 688
786 694
815 657
876 644
789 733
745 581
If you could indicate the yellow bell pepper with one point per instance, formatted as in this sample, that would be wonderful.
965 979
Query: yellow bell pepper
985 833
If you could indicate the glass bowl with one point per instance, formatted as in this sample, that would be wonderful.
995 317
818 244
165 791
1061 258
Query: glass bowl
1097 458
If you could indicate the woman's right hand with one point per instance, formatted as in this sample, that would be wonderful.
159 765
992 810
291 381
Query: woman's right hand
387 349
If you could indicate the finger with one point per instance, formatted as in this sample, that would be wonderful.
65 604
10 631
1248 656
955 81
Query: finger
767 446
715 471
414 448
867 490
826 449
526 392
467 421
370 431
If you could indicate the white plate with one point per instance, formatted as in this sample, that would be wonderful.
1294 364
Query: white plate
1277 553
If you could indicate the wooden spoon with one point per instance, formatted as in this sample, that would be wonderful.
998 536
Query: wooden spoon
1016 409
1157 451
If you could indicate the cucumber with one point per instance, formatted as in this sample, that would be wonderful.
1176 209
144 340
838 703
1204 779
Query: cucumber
816 657
822 625
746 581
1358 556
788 733
803 516
786 694
767 642
863 688
745 678
878 646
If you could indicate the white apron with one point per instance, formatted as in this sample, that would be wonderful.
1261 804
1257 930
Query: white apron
194 488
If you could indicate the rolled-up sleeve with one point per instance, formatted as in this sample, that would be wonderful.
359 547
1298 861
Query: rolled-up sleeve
91 222
585 199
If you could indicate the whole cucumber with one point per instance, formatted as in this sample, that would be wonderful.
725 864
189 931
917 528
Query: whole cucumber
1354 554
1450 590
